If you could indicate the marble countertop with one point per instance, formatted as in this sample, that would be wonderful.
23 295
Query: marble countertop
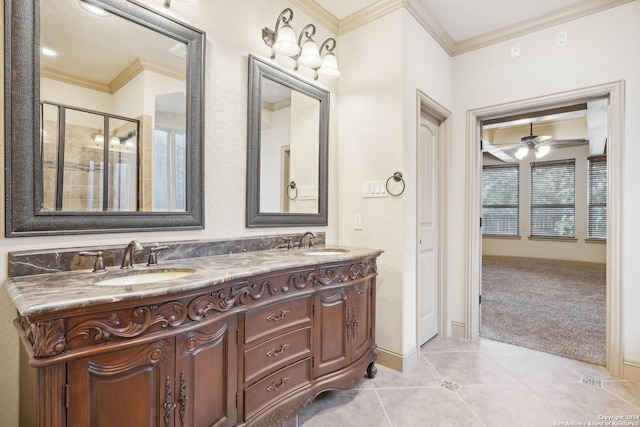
47 293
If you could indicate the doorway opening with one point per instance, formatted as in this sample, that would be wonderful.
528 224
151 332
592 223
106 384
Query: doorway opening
614 93
544 230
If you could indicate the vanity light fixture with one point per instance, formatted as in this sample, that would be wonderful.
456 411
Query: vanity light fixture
302 49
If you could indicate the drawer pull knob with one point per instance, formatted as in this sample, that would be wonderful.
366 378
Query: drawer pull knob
283 314
274 352
278 386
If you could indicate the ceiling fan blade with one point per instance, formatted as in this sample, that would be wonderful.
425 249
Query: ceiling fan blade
496 152
535 139
566 142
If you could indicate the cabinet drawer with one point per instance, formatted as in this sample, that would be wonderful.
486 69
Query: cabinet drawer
276 386
276 353
277 317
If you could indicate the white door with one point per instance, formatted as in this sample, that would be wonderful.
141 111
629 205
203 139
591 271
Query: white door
428 208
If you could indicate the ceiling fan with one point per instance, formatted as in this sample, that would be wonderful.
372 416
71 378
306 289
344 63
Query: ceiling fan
539 145
533 143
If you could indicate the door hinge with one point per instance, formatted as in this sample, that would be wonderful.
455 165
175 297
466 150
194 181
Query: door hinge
66 396
480 222
479 299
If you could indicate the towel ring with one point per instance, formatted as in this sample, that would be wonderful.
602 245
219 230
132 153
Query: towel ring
292 186
397 177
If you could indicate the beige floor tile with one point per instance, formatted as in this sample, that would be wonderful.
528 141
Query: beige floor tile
625 390
439 344
345 408
467 368
581 402
423 375
529 366
499 405
426 407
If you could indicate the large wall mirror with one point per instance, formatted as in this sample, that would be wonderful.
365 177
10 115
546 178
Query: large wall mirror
288 127
104 118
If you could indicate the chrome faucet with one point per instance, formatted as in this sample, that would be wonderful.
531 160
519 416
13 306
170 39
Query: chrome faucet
132 248
304 236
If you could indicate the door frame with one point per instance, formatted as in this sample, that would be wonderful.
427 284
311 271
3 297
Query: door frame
426 104
615 154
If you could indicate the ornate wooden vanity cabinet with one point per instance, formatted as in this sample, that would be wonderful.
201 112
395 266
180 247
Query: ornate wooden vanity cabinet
252 351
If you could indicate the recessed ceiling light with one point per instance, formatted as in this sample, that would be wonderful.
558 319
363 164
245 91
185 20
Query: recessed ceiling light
47 51
91 8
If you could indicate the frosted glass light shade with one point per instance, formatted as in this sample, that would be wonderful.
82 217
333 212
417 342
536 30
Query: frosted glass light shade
329 67
286 43
542 151
522 153
310 56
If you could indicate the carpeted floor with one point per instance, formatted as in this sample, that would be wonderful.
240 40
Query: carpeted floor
554 308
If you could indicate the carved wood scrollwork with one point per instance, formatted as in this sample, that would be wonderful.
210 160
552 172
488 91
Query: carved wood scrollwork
195 339
330 276
225 299
158 352
47 338
103 330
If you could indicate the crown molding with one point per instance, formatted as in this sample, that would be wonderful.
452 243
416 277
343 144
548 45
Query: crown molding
420 13
432 26
351 22
369 14
319 13
567 14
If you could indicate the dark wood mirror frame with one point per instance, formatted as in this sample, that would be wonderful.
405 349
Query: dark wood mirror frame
259 70
23 171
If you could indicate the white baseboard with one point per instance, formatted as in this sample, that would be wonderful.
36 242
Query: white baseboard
631 371
397 361
458 330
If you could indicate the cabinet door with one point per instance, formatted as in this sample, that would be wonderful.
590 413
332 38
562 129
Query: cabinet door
206 375
122 388
361 321
330 330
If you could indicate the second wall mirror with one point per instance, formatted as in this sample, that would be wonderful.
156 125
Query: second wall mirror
288 127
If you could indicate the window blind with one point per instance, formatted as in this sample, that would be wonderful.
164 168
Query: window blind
597 198
553 207
500 200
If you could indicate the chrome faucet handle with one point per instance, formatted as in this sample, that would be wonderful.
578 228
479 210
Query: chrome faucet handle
153 257
98 266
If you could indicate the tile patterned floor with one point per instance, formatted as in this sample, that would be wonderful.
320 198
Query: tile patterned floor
481 383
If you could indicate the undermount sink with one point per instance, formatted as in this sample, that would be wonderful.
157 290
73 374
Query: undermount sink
326 251
145 277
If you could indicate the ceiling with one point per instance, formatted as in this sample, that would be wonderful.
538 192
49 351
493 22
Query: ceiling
463 19
459 25
463 25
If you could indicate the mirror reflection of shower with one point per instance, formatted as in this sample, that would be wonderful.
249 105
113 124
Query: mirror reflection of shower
89 159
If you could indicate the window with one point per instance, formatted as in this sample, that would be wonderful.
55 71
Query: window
500 211
553 199
597 198
169 160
